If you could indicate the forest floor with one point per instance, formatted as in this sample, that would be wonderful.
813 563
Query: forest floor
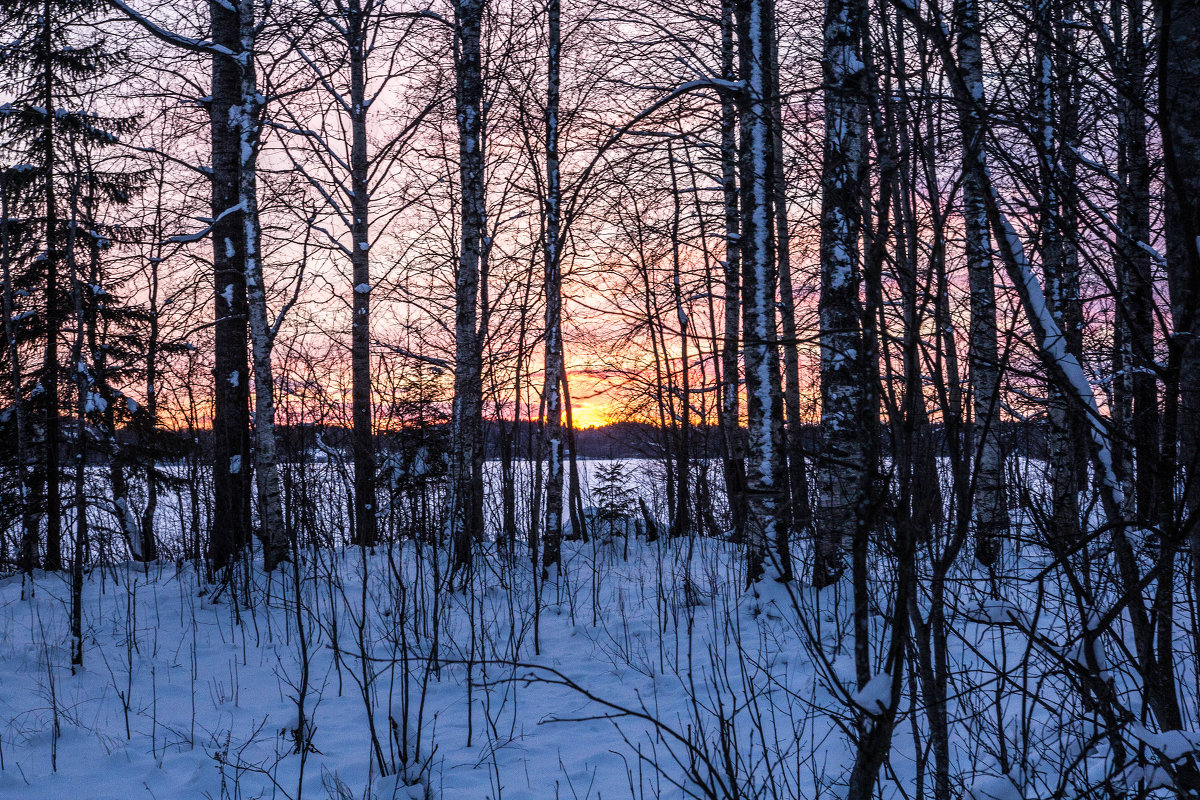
643 670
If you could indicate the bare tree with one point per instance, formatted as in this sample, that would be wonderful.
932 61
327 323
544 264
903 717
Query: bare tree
843 472
991 510
466 491
766 487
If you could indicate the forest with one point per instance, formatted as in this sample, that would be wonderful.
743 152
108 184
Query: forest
548 399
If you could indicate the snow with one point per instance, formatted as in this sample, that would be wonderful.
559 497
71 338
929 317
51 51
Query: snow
191 688
1171 745
876 695
209 687
995 787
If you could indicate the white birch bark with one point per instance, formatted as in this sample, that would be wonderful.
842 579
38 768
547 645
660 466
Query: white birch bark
734 467
990 509
842 471
1135 387
231 524
266 463
466 490
766 482
1060 286
365 514
554 368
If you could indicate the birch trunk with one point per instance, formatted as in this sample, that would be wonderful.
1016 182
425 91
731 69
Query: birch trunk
466 423
147 426
730 404
1061 283
766 480
231 413
842 473
681 524
553 344
1179 105
365 516
266 462
1180 67
926 500
83 379
990 507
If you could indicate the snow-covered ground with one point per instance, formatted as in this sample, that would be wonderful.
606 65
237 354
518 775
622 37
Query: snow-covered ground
651 675
643 670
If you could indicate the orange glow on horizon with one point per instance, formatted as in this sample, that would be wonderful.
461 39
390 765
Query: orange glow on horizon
589 415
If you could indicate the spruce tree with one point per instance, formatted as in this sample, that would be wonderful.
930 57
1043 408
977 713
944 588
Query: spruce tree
55 133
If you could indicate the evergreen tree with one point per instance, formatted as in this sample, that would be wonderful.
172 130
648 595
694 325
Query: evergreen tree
54 130
614 499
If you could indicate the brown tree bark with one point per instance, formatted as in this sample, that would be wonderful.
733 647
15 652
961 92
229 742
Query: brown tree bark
231 380
466 418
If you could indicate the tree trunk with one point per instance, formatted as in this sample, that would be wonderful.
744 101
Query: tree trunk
574 484
466 421
30 518
51 470
1179 116
83 380
730 405
231 415
148 425
553 344
842 473
1062 283
925 501
766 486
681 524
990 506
365 514
266 460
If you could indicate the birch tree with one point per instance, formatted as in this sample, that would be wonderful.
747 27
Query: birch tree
799 511
235 113
554 368
231 379
466 421
989 506
766 480
842 474
1135 387
1060 262
730 404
